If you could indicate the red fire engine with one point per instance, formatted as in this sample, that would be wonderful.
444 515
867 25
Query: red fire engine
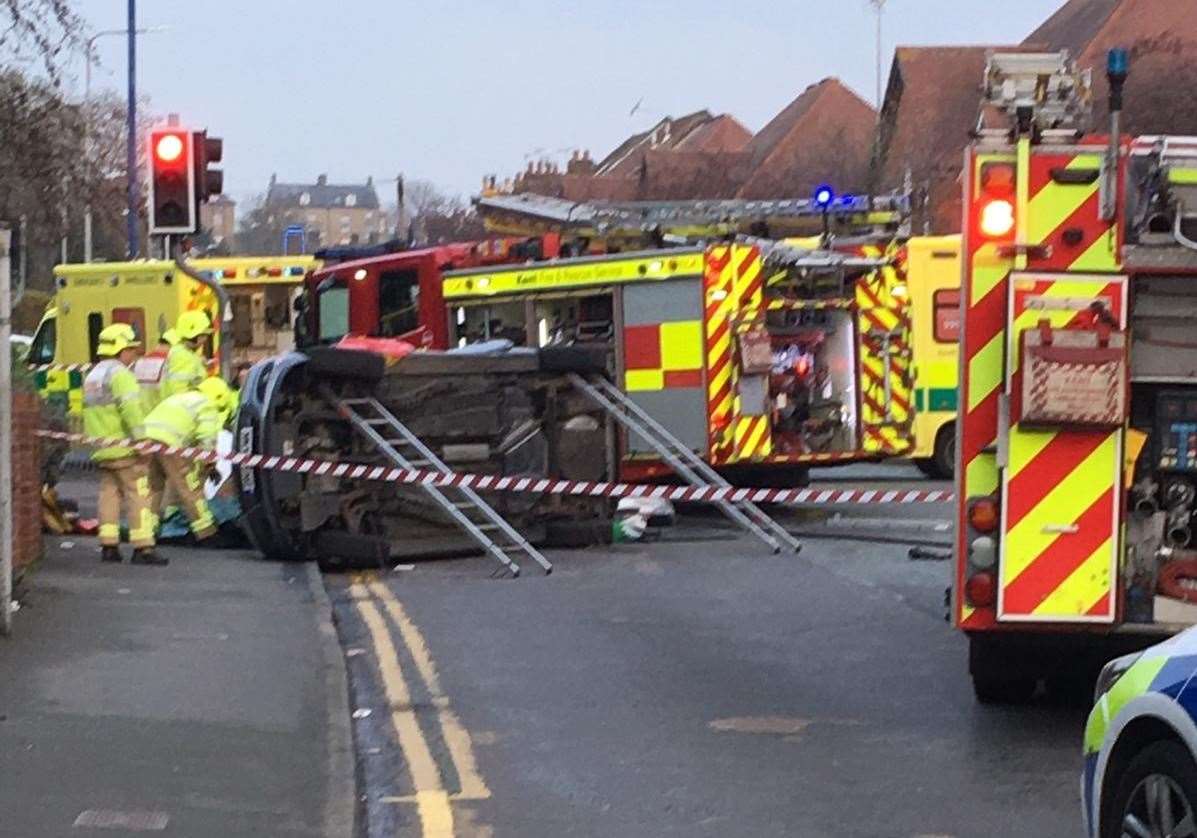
1077 436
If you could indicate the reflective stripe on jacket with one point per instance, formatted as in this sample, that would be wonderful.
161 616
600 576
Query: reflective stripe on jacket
112 407
184 371
184 419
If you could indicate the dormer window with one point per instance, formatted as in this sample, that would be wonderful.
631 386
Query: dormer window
305 199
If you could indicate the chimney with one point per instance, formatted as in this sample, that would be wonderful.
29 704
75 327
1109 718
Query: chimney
369 180
273 178
322 180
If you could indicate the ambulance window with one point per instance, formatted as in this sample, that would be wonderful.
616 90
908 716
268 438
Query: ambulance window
946 303
398 303
333 311
95 325
42 349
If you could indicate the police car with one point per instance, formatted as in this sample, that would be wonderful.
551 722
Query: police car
1140 772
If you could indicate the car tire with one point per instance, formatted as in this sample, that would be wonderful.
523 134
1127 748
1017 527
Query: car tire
999 690
326 362
584 360
1164 762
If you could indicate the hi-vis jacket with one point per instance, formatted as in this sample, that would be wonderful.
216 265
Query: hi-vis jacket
184 371
184 419
112 407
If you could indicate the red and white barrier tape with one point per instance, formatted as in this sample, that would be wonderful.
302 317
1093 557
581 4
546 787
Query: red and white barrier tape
525 485
62 367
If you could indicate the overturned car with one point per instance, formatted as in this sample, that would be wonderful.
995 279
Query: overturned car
498 412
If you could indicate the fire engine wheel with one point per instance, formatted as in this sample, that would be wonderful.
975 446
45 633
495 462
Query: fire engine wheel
1156 794
1003 689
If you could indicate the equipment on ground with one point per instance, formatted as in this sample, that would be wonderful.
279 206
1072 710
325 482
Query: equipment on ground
1078 396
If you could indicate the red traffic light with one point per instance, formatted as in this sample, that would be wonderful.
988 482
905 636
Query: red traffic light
169 148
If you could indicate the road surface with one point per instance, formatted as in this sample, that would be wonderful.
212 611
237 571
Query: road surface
694 687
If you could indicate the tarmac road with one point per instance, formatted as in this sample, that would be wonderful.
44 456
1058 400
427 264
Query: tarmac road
691 688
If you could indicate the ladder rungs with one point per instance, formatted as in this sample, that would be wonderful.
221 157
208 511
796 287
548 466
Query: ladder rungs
396 442
377 421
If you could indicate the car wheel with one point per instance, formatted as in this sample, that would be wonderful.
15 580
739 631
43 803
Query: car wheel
991 689
1155 796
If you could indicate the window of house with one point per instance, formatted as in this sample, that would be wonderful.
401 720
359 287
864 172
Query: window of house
398 303
351 200
305 199
946 311
345 223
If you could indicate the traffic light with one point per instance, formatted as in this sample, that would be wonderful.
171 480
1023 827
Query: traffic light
172 181
208 150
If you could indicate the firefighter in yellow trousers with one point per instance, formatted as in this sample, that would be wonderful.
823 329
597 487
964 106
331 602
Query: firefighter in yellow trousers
188 419
112 408
185 367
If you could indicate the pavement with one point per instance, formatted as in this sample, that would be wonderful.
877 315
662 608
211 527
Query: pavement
690 688
207 698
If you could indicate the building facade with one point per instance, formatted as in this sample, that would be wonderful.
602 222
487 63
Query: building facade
330 214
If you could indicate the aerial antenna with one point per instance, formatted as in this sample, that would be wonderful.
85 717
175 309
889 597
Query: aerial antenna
878 7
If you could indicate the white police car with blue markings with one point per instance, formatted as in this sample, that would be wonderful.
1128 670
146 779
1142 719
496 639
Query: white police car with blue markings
1140 747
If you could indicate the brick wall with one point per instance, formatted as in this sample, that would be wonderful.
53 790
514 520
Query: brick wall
26 480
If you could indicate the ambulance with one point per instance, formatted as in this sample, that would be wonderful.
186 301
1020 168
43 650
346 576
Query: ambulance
149 295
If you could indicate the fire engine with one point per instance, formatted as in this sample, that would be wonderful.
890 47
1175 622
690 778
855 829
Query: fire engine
1077 438
762 355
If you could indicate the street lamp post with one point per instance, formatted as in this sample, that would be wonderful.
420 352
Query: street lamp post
879 5
89 54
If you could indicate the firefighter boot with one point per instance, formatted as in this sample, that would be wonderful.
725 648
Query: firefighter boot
109 553
146 555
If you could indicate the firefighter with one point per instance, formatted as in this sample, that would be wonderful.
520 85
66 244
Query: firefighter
190 418
185 367
112 408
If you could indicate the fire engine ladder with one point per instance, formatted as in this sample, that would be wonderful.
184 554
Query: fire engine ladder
463 505
688 465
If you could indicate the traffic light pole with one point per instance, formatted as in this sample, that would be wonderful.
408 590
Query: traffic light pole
131 136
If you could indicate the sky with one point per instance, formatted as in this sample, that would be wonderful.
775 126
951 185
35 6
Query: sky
451 90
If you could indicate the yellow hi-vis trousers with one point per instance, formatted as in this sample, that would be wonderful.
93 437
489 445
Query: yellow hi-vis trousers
126 481
186 482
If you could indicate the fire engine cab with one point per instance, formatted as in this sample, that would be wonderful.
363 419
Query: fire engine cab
1077 432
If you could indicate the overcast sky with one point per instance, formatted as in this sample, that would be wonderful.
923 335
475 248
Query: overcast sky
449 90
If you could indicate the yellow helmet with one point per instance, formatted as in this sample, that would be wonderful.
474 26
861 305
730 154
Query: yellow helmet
193 324
218 392
115 339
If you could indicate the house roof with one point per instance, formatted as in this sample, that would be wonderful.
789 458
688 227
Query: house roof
1073 26
1162 38
824 135
723 133
930 106
322 195
700 131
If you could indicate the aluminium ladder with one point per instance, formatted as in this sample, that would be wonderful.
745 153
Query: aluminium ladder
463 505
688 465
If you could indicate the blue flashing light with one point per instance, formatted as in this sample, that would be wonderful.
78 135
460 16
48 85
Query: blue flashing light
824 196
295 271
1118 62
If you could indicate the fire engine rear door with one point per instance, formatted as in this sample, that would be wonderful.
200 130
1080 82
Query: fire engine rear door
1061 481
886 381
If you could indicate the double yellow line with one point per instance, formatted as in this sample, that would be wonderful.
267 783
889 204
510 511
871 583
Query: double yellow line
432 799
